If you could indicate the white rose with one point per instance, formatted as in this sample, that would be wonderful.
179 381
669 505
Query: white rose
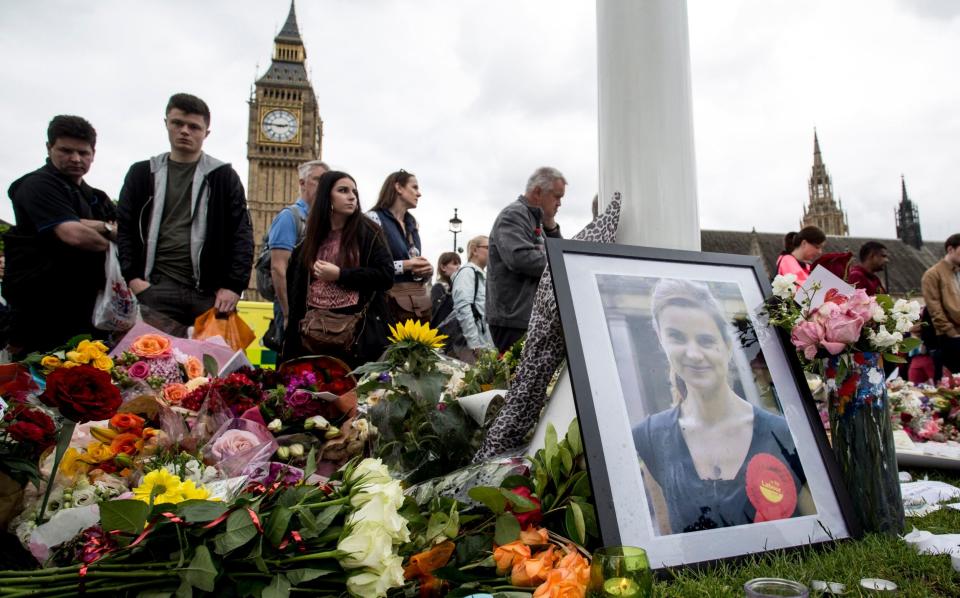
904 323
785 286
364 584
371 471
367 545
390 494
381 511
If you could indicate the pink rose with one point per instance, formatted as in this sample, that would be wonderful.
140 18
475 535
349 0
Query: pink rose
232 443
860 305
139 370
840 329
806 337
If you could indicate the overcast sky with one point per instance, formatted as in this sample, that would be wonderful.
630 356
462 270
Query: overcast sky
473 95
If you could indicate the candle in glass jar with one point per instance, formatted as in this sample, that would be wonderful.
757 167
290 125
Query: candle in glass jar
621 587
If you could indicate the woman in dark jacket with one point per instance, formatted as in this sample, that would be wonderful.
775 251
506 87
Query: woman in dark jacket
343 266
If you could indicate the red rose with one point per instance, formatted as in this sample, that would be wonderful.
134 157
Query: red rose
30 433
82 393
530 517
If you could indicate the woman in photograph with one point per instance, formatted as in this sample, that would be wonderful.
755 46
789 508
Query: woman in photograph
800 251
713 459
441 297
342 268
408 299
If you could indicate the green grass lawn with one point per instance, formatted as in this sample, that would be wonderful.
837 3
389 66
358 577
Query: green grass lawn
845 562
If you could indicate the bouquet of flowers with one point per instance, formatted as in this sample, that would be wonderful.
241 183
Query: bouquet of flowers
926 413
841 323
422 432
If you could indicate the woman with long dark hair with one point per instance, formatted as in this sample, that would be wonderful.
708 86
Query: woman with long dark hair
337 279
441 295
800 251
408 299
707 460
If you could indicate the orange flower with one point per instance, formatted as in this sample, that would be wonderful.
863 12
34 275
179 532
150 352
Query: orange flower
175 392
506 555
193 368
426 562
151 345
561 583
125 443
533 572
534 537
126 421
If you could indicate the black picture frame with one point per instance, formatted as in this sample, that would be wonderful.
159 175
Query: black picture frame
588 279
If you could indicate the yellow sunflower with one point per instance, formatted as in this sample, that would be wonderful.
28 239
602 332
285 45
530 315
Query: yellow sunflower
159 487
417 332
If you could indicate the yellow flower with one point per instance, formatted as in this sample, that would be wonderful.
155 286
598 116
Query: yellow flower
190 491
97 452
70 364
417 332
51 362
103 363
78 357
159 487
72 465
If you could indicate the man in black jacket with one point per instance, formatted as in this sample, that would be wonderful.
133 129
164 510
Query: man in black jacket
185 238
55 254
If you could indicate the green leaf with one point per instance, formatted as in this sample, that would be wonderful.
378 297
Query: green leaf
124 515
582 486
452 529
515 481
891 358
200 511
299 576
574 439
279 588
589 518
909 344
201 573
550 443
210 364
491 498
240 530
519 503
574 524
311 465
437 525
277 524
566 461
507 529
540 480
154 594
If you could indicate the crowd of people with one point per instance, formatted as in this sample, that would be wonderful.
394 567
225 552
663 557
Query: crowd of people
182 233
939 328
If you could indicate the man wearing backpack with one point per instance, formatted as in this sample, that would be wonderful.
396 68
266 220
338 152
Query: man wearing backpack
469 302
285 233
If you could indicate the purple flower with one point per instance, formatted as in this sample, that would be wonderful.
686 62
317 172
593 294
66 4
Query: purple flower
303 404
139 370
384 377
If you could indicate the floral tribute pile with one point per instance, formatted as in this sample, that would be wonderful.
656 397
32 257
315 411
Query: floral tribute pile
927 413
151 471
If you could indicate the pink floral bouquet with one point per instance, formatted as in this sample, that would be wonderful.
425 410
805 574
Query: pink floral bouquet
842 323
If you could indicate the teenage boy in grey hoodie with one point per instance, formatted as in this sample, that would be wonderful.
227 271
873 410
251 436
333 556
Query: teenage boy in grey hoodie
184 233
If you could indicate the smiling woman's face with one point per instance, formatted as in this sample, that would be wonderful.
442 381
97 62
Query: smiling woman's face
695 347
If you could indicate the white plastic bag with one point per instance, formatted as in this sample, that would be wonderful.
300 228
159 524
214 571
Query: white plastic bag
116 307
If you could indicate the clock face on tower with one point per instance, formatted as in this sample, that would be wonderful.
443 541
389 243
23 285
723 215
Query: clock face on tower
280 126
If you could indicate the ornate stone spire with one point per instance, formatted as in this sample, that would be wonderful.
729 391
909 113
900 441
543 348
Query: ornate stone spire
908 219
287 67
290 31
822 210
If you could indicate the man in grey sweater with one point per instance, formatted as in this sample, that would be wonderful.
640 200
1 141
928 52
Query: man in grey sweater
518 256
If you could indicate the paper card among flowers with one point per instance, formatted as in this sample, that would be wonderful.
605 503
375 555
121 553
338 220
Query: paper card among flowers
820 286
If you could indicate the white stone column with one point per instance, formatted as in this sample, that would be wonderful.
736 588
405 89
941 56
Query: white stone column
646 121
646 140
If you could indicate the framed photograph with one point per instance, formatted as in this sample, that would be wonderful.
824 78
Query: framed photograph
701 437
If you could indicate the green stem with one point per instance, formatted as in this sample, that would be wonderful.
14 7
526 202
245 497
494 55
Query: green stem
95 573
317 556
330 503
63 441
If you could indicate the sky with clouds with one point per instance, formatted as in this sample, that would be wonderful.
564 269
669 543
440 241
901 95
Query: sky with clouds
473 95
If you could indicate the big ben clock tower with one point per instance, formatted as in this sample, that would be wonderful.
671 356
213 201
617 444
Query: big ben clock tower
285 129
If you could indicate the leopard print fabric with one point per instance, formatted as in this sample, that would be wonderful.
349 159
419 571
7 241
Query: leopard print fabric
542 354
